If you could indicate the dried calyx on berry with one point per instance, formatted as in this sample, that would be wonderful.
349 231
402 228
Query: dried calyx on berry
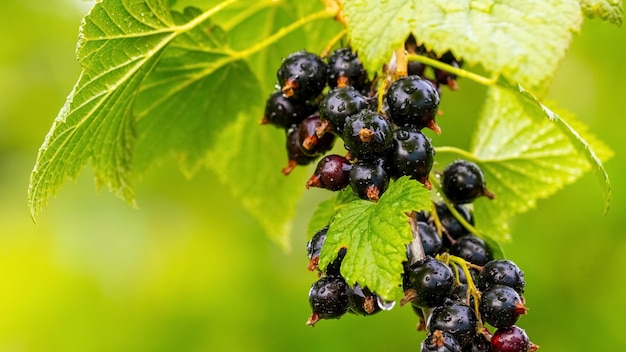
463 182
302 76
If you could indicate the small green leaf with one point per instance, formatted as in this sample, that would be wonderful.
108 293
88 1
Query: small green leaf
376 235
523 40
608 10
327 209
524 156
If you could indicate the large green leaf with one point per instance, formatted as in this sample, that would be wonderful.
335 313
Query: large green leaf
523 40
608 10
375 236
525 157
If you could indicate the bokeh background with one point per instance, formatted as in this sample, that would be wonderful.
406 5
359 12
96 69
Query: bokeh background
191 271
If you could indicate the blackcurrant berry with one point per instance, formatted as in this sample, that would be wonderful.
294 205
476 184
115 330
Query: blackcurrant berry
414 102
427 283
445 77
412 154
369 179
284 112
337 105
457 319
367 135
363 301
345 68
294 151
302 75
472 249
314 247
511 339
463 181
311 144
478 344
501 306
440 341
332 173
502 272
328 298
453 228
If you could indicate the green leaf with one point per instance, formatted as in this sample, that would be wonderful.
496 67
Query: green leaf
524 156
325 211
608 10
376 235
120 43
522 40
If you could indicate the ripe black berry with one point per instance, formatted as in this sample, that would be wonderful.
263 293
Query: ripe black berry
414 102
328 298
367 135
314 247
478 344
311 144
440 341
463 181
452 226
457 319
284 112
472 249
294 151
337 105
345 68
302 75
412 154
502 272
332 173
427 283
363 301
369 179
512 339
501 306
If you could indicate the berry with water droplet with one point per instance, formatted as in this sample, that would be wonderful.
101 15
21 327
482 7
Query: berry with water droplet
345 69
367 135
284 112
368 179
294 151
332 173
478 344
511 339
427 283
463 181
414 102
363 301
472 249
502 272
412 154
456 319
501 306
440 341
453 228
328 298
337 105
314 247
302 75
313 145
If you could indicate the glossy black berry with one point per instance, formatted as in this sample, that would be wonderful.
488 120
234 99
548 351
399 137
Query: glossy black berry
478 344
463 181
332 173
337 105
345 68
412 154
302 76
456 319
512 339
367 135
363 301
284 112
453 228
440 341
311 144
294 151
502 272
314 247
328 298
472 249
427 283
413 102
501 306
368 179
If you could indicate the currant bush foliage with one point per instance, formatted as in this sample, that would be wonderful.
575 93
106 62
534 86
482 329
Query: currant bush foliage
187 79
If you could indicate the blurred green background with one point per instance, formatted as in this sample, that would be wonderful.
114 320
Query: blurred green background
191 271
